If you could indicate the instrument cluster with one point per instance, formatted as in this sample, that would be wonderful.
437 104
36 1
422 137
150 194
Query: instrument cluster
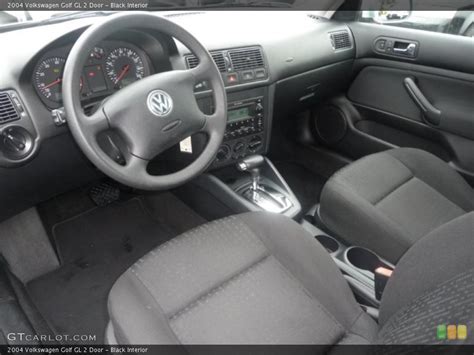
110 66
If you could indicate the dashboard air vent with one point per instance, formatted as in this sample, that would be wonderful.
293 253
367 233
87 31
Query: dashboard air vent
247 58
340 40
8 111
218 57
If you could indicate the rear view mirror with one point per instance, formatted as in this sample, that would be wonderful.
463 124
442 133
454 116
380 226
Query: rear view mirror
389 11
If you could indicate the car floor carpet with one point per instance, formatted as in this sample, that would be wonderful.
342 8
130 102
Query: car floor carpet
95 248
305 184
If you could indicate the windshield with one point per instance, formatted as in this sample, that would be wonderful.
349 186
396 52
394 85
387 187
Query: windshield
22 16
31 14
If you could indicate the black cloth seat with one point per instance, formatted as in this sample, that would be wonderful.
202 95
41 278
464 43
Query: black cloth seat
260 278
388 201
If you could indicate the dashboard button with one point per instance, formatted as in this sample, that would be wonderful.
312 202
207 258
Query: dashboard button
18 104
232 78
260 73
248 75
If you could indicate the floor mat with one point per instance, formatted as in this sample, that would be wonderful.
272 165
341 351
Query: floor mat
95 248
305 184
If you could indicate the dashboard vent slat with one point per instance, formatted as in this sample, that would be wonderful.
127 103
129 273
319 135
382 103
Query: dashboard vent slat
243 59
8 111
340 40
192 61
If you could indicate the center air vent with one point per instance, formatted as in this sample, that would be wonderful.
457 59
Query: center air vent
8 111
340 40
218 57
248 58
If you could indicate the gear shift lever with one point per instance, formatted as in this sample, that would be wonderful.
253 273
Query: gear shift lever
267 198
252 165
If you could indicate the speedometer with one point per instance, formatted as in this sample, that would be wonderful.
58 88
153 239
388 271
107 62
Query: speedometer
48 78
124 66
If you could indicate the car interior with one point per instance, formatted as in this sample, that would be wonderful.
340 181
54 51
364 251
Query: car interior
237 177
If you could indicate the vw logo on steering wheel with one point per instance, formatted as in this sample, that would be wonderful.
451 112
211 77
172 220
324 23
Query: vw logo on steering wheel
160 103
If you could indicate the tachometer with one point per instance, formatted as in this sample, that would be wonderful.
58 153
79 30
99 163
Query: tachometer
48 78
124 66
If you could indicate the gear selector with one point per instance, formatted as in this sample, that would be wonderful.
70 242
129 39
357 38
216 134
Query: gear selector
252 165
259 193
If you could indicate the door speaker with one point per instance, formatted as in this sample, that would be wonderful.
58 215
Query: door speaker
330 124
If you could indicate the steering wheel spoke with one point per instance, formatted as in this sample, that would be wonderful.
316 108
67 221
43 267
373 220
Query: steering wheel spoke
135 165
201 72
211 124
95 123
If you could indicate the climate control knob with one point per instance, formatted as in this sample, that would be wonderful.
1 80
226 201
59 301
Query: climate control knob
223 153
239 147
255 143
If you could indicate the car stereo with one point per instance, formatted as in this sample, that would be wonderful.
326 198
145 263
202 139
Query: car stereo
244 117
246 124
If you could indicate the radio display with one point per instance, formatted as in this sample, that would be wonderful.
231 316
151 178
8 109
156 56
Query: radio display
238 114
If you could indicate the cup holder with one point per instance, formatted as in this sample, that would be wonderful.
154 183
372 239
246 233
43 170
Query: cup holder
330 244
364 259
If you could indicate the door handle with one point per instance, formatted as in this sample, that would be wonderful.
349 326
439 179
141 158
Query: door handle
410 49
431 114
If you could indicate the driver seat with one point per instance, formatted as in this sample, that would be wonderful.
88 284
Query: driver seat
260 278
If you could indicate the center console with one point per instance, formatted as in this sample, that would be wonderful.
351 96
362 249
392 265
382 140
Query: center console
245 130
241 179
360 266
264 194
248 125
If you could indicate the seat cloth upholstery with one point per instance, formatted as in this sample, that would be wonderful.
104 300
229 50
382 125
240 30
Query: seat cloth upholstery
256 278
433 284
389 200
259 278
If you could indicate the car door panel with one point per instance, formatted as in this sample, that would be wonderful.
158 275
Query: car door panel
382 110
452 97
438 50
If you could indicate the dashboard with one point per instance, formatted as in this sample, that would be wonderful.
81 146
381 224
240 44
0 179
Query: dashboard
268 75
111 65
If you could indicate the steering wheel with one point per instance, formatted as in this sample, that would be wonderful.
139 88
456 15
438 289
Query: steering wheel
151 114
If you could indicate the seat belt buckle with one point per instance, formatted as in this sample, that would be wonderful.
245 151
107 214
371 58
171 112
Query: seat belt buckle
382 274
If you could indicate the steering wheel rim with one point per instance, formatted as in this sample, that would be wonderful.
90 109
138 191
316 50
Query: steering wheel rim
131 111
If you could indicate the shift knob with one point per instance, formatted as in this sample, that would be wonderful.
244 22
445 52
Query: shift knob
250 163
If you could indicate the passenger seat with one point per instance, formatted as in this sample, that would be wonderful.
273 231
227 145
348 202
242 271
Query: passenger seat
387 201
